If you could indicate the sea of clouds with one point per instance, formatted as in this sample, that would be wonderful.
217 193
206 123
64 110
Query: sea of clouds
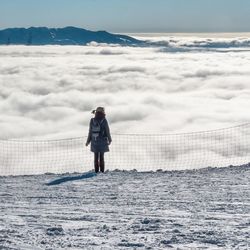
173 85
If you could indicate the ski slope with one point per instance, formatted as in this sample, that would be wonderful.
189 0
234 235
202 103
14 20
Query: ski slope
189 209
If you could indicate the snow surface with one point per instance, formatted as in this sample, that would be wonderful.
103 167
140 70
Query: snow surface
192 209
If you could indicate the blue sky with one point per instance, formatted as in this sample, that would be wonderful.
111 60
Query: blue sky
129 15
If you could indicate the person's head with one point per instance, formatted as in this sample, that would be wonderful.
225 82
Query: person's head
99 112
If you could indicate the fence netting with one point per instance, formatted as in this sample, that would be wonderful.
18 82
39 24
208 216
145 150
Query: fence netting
143 152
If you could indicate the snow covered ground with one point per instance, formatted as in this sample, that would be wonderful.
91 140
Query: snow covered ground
191 209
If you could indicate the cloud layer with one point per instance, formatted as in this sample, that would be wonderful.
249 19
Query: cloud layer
168 87
48 92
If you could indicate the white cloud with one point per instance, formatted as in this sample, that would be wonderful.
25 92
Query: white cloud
54 83
49 92
196 43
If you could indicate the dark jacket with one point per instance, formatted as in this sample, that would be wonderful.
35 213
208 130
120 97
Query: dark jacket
101 143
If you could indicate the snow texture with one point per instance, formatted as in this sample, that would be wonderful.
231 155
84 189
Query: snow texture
195 209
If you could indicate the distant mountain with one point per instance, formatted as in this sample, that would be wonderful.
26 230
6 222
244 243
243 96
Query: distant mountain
61 36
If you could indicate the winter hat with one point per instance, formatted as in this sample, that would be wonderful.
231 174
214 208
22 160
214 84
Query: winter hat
99 110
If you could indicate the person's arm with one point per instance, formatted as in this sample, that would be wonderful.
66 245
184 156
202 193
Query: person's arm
108 132
89 135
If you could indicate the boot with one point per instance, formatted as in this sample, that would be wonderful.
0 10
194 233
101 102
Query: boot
102 165
96 166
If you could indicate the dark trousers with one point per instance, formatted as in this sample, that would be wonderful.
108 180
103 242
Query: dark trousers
99 162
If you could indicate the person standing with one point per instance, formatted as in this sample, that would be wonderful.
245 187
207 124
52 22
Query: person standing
99 137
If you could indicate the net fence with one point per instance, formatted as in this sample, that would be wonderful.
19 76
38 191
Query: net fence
143 152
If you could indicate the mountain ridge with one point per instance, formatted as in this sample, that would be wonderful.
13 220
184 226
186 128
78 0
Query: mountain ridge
69 35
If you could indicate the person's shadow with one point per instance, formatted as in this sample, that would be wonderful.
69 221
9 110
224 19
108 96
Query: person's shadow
71 178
